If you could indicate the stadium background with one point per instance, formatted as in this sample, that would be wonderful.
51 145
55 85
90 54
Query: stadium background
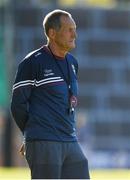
103 53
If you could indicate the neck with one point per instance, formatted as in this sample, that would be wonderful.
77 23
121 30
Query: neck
57 51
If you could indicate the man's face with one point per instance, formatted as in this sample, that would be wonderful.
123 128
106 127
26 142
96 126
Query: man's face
65 37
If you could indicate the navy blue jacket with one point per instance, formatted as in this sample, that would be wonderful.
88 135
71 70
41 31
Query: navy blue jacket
40 101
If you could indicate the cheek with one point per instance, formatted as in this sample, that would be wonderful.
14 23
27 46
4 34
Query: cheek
60 37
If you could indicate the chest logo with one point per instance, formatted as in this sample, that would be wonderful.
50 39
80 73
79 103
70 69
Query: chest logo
48 72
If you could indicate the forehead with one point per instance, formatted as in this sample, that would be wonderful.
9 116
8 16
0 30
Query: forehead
67 21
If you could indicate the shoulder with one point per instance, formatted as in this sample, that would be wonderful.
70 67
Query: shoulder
34 54
31 57
72 59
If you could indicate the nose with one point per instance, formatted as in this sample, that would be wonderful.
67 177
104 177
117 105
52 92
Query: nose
74 34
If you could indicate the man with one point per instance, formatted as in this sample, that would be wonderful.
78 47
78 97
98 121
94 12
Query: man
44 100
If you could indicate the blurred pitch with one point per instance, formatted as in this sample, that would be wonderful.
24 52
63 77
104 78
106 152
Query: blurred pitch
96 174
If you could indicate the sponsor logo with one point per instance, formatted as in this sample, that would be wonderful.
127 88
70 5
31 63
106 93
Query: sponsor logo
48 72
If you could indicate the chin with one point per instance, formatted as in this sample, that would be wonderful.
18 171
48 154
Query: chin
72 46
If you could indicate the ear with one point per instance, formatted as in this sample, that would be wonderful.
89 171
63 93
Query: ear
51 33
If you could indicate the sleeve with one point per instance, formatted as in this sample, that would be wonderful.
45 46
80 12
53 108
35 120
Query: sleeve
22 88
76 67
75 62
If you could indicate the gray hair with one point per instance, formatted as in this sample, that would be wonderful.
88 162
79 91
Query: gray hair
52 20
